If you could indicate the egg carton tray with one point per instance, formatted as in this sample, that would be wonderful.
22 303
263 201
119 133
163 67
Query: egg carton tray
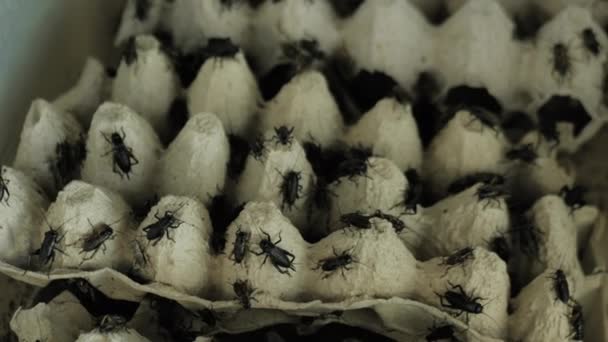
522 75
400 256
383 272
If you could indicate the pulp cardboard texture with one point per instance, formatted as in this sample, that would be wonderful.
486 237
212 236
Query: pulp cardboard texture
315 121
44 128
263 179
228 89
518 73
62 319
201 145
390 270
388 316
389 127
148 84
99 165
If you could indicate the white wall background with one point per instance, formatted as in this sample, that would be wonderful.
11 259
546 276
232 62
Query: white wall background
43 45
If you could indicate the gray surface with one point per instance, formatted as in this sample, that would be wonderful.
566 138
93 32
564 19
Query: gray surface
43 45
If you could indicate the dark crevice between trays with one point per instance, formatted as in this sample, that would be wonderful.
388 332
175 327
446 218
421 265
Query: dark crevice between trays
187 65
139 212
288 332
472 97
93 300
271 83
563 109
367 88
424 108
440 15
338 87
299 56
67 164
185 325
357 93
345 8
516 125
477 100
239 150
142 9
528 22
222 212
177 117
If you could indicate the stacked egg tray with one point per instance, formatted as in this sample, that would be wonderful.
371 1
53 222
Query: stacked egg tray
249 164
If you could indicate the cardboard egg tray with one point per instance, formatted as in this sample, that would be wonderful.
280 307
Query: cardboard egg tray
399 277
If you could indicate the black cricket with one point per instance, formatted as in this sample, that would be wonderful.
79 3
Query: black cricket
590 41
283 135
357 220
100 233
528 237
123 158
562 63
490 192
487 118
281 259
68 158
459 257
468 181
291 189
157 230
352 167
4 193
257 148
577 322
50 242
560 285
244 293
241 246
341 261
460 301
397 224
303 53
525 153
354 164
